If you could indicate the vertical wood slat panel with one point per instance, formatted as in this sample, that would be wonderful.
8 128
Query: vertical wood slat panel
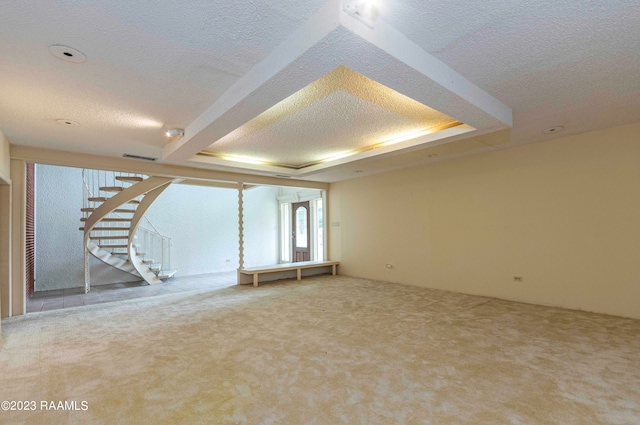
30 231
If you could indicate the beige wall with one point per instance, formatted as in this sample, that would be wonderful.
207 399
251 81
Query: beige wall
563 214
4 159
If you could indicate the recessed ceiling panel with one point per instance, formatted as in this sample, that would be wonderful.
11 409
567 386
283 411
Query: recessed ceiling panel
341 114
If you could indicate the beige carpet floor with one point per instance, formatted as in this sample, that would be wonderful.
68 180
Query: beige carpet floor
327 350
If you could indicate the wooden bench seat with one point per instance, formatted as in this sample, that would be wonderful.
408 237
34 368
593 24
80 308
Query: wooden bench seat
256 271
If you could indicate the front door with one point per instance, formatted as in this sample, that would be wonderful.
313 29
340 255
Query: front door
301 233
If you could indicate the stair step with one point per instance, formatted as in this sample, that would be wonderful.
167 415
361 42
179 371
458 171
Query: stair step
133 201
119 210
124 238
110 219
112 246
97 199
166 274
107 228
131 179
147 261
119 253
140 254
111 188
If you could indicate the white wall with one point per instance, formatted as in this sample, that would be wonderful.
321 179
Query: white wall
59 243
261 236
203 225
563 214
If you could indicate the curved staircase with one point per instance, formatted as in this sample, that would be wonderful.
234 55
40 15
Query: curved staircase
113 214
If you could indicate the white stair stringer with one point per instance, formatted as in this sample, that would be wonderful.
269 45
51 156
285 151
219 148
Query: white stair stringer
122 198
137 262
112 260
113 203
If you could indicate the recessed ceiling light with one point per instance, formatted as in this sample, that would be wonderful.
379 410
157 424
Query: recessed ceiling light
552 130
67 54
66 122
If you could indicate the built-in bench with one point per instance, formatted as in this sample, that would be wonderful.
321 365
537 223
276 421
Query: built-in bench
256 271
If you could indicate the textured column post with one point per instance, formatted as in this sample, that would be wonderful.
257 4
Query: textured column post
87 271
240 228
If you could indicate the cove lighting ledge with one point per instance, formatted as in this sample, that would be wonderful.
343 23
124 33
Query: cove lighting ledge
243 159
419 142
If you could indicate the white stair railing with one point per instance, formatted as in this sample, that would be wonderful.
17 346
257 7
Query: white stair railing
99 185
157 248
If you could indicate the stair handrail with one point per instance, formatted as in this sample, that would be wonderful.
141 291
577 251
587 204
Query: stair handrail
164 239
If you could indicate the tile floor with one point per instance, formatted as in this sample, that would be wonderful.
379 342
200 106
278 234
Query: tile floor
74 297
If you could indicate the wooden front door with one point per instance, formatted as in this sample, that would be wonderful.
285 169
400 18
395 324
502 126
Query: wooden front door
301 232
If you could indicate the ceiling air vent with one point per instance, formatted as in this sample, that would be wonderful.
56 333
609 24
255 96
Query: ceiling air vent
144 158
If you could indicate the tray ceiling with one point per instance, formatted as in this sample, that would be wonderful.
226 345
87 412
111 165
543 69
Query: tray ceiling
339 115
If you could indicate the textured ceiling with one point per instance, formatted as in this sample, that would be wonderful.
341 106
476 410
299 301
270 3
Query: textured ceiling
212 67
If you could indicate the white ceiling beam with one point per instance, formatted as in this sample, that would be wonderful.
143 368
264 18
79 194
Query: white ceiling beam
234 105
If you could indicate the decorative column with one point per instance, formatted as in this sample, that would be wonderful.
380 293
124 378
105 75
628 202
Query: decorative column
240 229
87 270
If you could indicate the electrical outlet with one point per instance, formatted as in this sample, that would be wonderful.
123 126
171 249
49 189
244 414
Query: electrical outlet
517 279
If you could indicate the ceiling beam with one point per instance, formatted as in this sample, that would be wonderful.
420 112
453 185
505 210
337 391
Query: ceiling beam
98 162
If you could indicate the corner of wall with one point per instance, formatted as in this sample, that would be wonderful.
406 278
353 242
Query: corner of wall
333 219
5 162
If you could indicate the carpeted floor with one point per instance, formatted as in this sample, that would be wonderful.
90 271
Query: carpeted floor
326 350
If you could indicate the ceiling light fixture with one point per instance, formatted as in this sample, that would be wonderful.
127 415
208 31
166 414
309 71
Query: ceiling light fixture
362 8
552 129
174 133
67 54
365 11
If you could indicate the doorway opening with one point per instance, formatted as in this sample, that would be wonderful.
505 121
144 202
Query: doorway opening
302 218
